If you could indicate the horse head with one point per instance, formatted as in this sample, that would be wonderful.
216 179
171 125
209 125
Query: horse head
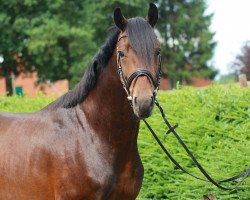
138 59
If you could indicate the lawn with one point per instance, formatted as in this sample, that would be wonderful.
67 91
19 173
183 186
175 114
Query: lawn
215 124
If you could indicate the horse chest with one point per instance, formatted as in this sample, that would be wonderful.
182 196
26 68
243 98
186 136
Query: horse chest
128 182
103 184
99 168
123 182
97 175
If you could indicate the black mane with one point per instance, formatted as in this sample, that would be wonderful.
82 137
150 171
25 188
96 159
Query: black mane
141 38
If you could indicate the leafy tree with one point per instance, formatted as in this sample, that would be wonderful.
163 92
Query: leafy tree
242 61
187 43
49 36
56 38
100 14
60 40
13 40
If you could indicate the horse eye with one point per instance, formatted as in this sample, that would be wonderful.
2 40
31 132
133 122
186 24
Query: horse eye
158 52
121 53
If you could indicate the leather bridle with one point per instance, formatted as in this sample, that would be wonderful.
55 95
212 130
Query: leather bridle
126 82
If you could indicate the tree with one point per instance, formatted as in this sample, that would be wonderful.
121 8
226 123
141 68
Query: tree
187 42
48 36
58 38
100 15
13 41
55 38
242 61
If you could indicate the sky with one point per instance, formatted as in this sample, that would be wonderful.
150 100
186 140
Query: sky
231 22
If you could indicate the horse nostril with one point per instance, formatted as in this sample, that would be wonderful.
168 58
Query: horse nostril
152 100
135 99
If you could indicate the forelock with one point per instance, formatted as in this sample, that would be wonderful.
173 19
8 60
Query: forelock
142 39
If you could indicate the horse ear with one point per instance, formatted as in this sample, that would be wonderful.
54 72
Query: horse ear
152 15
119 19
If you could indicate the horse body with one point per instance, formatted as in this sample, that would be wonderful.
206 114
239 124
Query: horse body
65 154
84 144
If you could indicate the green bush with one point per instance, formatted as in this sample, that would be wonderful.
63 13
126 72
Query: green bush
23 104
215 124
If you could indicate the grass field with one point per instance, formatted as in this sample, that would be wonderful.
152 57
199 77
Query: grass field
215 124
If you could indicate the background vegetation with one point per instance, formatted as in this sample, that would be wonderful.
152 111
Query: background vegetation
58 38
215 124
241 65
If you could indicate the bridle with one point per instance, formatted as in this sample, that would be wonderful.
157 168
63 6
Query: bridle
126 82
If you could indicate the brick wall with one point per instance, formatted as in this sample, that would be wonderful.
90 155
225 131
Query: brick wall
195 81
28 82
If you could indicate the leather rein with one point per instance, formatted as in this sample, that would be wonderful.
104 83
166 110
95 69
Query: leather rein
171 129
126 83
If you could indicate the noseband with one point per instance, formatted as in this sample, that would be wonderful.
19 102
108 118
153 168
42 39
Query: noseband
126 83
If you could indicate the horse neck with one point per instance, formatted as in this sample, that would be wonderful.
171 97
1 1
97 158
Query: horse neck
108 110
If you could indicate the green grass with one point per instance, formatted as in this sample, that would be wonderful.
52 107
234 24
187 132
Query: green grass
23 104
215 124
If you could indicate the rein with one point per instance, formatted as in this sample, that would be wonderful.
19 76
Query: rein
126 83
243 175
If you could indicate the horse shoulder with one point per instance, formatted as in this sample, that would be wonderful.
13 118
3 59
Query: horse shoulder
79 168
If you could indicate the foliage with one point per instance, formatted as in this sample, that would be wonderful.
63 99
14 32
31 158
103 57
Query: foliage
187 41
100 14
214 122
49 36
23 104
58 38
228 78
242 61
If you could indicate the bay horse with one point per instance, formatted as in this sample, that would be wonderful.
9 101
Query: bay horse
84 144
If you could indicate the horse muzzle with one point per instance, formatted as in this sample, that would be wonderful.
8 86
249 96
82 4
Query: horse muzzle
143 86
143 106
